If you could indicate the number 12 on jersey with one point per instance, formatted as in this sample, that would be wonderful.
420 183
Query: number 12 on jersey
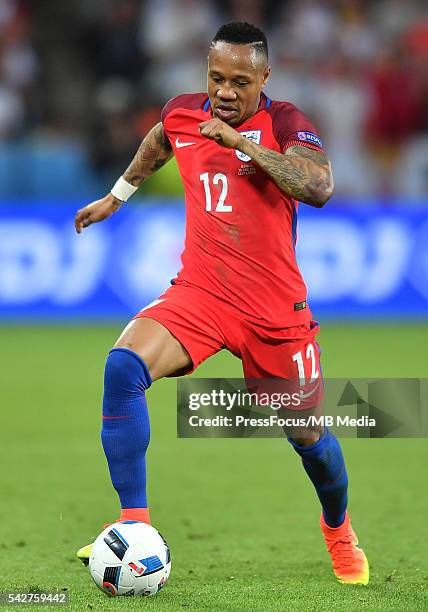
298 358
217 179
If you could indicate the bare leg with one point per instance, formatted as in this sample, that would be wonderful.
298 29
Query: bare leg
162 353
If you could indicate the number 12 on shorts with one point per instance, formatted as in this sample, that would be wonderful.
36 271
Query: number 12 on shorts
217 179
310 355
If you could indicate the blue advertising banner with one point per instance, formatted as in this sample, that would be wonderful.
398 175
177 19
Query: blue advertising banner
358 260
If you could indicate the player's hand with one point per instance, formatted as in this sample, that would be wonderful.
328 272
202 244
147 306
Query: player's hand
95 212
223 134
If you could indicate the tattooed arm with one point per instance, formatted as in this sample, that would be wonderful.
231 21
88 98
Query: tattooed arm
302 173
152 154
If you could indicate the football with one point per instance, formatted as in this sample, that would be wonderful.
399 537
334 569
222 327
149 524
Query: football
130 558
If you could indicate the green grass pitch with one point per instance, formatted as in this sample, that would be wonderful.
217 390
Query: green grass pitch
240 516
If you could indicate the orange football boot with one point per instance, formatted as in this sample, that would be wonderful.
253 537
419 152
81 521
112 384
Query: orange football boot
349 561
136 514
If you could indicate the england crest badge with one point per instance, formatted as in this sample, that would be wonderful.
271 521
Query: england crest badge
255 136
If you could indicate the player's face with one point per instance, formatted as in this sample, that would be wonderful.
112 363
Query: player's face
236 75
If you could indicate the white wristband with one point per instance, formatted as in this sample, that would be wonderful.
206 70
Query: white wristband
123 190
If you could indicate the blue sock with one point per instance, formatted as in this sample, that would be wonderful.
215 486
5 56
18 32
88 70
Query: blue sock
325 466
125 432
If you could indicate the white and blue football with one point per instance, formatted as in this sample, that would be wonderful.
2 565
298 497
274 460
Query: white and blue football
130 558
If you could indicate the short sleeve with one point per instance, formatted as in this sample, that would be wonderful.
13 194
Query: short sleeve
185 102
291 127
171 104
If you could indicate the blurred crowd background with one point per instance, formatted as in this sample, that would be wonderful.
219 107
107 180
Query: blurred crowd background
83 81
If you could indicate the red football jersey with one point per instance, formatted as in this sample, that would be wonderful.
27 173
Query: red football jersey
240 227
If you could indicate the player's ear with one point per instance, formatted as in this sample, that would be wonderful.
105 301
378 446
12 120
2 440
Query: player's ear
266 75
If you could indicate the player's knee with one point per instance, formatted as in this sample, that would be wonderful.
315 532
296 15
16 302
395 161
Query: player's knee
143 350
305 437
125 372
307 441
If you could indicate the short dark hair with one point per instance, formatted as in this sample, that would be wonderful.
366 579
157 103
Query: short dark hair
242 33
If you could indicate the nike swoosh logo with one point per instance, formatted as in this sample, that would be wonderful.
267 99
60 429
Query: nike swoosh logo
179 144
